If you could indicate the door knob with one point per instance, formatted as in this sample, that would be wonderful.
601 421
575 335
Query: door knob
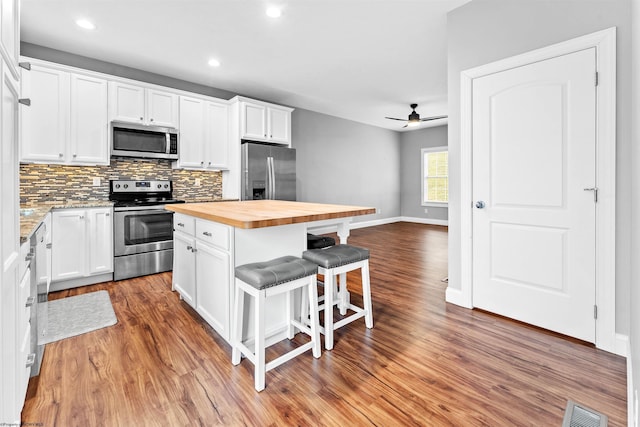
480 204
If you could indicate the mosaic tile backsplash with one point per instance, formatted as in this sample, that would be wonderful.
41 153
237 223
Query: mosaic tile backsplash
59 183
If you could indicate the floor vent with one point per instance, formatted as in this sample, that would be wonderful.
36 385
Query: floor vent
577 415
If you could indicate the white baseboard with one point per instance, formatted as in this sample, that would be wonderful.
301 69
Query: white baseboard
430 221
623 340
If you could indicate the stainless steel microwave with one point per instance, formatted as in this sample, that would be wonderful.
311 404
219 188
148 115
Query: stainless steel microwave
137 140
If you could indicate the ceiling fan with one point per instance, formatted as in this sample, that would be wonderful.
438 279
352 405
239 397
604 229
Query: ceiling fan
414 118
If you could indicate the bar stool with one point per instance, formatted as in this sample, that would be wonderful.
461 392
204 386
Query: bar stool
339 260
261 280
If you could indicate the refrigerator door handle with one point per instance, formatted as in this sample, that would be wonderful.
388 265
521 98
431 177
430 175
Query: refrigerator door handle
271 188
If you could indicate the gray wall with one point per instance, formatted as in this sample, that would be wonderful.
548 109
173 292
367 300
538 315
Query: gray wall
635 225
411 144
345 162
484 31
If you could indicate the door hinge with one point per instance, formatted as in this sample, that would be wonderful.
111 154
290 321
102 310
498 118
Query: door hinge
595 311
596 78
25 65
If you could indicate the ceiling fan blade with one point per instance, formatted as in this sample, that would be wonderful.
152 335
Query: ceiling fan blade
393 118
426 119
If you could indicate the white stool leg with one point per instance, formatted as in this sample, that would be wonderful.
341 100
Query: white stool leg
289 310
329 279
342 295
313 303
236 332
366 294
304 307
259 341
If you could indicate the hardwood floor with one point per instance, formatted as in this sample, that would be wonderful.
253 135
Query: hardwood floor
425 362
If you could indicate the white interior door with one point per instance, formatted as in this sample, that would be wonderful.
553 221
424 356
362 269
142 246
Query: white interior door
534 155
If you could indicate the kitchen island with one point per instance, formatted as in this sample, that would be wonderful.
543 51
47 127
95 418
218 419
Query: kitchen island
211 239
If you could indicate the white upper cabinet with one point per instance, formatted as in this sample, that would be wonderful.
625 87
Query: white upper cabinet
67 120
261 121
9 33
204 134
138 104
44 124
89 120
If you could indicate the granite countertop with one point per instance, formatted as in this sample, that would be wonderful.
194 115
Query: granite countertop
266 213
32 215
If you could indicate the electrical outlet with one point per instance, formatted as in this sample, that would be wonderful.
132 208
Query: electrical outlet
197 182
96 182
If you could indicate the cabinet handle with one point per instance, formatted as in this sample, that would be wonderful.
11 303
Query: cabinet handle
60 155
190 248
194 250
24 101
49 245
29 256
31 359
206 233
141 119
209 163
150 120
201 163
75 155
180 224
81 216
30 301
107 214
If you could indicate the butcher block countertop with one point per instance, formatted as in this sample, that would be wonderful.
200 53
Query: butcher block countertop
267 213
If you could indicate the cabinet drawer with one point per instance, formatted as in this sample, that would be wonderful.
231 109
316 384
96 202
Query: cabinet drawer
214 233
184 223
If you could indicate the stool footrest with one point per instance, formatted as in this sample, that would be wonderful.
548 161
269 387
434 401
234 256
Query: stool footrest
288 356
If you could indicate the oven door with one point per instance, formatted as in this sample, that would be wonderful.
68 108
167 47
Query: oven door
140 231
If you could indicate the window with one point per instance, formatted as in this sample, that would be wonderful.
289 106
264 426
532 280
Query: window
435 176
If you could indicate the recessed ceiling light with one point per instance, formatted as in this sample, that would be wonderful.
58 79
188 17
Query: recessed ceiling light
274 12
87 25
214 63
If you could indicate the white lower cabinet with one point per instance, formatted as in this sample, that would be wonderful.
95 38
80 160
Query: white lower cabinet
82 243
202 269
184 267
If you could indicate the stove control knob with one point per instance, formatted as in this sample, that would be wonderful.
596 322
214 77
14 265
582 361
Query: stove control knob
166 186
126 185
117 185
159 185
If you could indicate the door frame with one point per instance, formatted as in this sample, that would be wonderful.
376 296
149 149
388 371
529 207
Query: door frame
605 43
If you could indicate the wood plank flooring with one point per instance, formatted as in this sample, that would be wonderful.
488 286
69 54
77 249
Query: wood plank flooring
425 362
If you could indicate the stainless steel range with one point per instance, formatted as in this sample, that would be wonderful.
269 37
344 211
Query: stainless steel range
142 228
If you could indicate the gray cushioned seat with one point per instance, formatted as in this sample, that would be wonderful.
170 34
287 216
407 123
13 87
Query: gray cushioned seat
263 275
336 256
319 242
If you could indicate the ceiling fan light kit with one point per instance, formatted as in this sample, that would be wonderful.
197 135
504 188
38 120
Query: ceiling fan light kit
414 118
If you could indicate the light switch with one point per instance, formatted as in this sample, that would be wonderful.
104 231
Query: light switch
197 183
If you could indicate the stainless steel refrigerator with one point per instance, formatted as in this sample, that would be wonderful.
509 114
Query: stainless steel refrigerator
268 172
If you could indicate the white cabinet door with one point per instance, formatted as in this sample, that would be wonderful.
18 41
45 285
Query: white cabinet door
44 124
212 278
279 125
191 133
89 120
162 108
10 404
126 102
23 343
100 240
253 121
69 237
9 38
184 267
217 135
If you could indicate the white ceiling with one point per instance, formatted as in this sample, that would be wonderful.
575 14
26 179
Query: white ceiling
360 60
